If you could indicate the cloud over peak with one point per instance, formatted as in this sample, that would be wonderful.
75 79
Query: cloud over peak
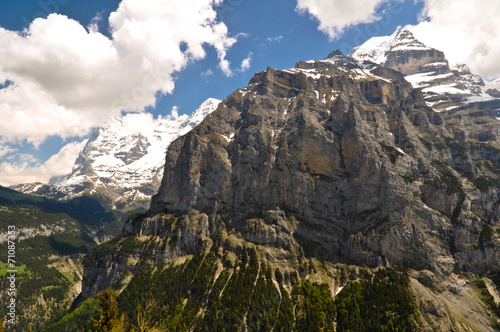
466 31
25 172
335 16
67 78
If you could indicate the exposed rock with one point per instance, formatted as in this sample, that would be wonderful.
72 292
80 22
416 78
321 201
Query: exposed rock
334 160
333 144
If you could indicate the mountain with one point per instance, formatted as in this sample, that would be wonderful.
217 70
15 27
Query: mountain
493 88
445 86
291 206
51 237
122 162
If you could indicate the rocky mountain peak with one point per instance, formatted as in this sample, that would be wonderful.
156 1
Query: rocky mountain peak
401 51
445 87
334 53
404 40
332 162
122 161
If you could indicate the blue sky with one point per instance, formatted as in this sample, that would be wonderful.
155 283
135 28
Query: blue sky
58 90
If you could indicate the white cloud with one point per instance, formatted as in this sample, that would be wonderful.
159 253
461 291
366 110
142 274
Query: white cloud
5 149
466 31
274 39
242 35
94 22
225 66
68 79
245 64
336 15
174 113
24 172
207 73
134 123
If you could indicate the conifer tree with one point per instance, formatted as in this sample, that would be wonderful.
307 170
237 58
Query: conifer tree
106 318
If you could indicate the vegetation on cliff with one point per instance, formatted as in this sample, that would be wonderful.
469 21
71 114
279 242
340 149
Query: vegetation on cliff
204 294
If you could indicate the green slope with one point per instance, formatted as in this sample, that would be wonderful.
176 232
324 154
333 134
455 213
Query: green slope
51 238
208 293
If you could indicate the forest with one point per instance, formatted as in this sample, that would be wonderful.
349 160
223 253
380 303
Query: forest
206 294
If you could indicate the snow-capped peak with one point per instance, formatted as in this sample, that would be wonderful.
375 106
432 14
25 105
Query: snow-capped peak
494 85
403 40
124 158
375 49
443 85
207 107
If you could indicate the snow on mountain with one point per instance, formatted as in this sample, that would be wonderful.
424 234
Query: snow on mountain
356 70
123 160
376 49
493 88
443 85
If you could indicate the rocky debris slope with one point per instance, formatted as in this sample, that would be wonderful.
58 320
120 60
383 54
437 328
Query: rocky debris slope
444 86
122 162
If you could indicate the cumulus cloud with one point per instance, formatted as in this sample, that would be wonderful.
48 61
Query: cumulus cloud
5 149
245 64
467 31
137 123
68 78
25 172
335 16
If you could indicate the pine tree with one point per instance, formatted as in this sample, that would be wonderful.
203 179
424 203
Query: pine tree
106 318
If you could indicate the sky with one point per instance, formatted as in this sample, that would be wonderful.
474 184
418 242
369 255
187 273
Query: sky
68 66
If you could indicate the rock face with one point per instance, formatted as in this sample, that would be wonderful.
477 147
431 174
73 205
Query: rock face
332 162
352 151
445 87
122 162
335 160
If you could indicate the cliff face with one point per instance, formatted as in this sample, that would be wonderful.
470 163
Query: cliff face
350 150
333 161
290 137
